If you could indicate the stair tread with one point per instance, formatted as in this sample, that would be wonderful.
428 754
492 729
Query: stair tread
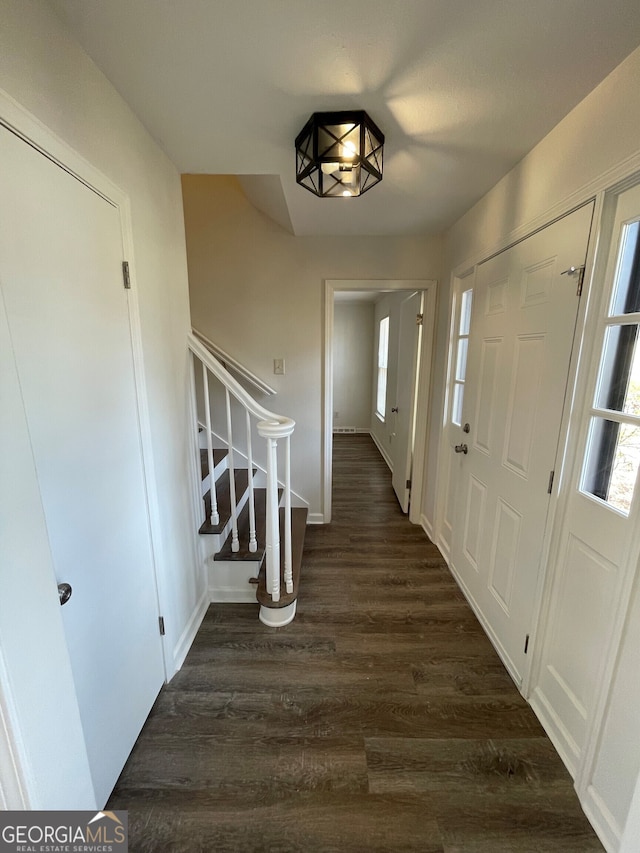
225 553
219 454
223 494
298 530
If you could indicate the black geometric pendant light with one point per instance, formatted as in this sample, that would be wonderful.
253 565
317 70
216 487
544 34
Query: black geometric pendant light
339 154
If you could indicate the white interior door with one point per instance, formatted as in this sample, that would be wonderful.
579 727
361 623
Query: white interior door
406 384
596 585
60 273
523 320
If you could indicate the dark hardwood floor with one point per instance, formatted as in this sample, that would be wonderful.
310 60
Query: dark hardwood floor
381 719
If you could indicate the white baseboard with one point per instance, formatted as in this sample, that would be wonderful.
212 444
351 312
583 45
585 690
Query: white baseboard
564 744
383 452
601 819
228 595
189 634
427 526
315 518
443 547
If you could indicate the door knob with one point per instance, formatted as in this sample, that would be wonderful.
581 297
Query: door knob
64 592
461 448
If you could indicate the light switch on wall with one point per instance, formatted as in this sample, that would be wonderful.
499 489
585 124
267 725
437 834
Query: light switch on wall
278 366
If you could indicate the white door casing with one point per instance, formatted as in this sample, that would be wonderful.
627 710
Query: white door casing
422 407
70 328
407 366
524 312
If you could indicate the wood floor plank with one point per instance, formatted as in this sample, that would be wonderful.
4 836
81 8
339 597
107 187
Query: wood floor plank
331 822
380 720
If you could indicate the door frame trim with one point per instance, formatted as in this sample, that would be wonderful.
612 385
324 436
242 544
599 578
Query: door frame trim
429 288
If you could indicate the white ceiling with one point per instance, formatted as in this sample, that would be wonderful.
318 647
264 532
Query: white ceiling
462 89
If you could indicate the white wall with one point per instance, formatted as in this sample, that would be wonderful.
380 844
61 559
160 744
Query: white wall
47 72
592 143
353 347
257 291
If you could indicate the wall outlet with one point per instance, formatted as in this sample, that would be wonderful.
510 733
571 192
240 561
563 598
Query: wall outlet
278 366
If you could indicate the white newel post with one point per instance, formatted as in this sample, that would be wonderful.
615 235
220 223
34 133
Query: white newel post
273 526
215 517
253 543
272 431
288 566
235 542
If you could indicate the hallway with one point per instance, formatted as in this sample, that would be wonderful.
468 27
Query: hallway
381 719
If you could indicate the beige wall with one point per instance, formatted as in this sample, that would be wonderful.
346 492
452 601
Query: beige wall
257 291
352 364
47 73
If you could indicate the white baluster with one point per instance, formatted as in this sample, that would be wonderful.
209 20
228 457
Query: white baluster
272 556
235 542
288 567
253 542
215 517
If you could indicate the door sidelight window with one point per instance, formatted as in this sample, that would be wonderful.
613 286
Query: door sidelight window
613 447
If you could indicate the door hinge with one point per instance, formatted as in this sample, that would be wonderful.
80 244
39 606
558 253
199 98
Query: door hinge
419 319
526 644
408 486
161 624
125 275
552 474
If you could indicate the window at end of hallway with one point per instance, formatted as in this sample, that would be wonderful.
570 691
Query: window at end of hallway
383 358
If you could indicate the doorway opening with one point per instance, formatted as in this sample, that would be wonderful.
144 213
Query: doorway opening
355 312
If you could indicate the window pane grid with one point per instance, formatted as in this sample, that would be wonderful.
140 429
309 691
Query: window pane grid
618 417
383 358
612 456
461 349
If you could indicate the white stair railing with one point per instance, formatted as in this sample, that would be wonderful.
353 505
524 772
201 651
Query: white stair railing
214 518
271 427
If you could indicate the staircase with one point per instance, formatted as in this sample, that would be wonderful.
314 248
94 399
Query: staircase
252 536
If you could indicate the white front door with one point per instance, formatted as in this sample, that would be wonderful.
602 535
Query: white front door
67 309
409 337
596 559
523 320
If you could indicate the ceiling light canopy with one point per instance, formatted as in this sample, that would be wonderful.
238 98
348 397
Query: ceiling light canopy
339 154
